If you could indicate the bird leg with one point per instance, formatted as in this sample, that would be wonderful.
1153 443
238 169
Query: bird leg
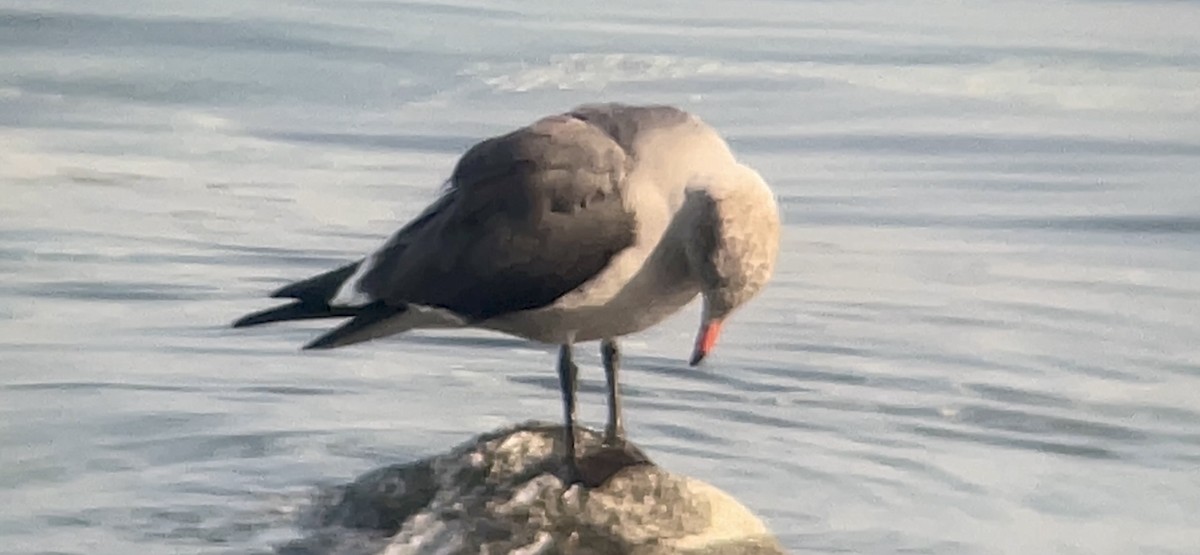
614 432
567 374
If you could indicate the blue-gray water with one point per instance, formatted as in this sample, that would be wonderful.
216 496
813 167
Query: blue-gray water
982 337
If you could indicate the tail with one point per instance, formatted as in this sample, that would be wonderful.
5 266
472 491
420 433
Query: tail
379 320
297 310
312 300
367 322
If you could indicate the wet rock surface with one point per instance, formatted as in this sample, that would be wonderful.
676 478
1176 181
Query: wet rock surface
503 492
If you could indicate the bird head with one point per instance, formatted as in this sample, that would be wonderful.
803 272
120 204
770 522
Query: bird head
733 247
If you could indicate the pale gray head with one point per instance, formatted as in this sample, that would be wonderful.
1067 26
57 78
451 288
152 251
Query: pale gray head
732 249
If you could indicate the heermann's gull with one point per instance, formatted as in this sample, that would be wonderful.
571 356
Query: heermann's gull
587 225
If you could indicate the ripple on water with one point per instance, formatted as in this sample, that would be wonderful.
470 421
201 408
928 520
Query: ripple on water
980 338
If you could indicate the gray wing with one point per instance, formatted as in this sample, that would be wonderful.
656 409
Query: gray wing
528 217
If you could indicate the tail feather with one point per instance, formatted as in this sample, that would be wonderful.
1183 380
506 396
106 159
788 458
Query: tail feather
370 322
321 287
299 310
380 320
312 299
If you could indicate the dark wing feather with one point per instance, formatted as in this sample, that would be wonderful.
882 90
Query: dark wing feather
312 300
369 322
528 217
314 294
321 287
297 310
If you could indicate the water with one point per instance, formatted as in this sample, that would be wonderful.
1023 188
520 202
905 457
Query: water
981 338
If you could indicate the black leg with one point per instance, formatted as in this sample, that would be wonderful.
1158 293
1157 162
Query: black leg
567 374
614 432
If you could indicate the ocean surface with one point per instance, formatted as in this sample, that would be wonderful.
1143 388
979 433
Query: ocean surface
983 336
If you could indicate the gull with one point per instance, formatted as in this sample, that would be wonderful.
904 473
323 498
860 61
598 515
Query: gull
587 225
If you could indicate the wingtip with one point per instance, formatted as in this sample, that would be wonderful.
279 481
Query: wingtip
289 291
295 310
368 323
322 343
254 319
320 287
286 292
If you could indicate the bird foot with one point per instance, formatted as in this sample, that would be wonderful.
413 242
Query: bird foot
597 467
571 474
614 435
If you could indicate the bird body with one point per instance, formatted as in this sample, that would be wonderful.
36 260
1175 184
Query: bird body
588 225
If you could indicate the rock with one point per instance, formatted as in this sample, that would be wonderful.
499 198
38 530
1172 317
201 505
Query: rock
501 494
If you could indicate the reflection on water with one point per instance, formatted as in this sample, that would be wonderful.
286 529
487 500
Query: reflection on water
980 340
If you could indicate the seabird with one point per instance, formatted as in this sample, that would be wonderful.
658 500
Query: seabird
587 225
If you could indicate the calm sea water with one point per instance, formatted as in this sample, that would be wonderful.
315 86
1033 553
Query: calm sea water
982 337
